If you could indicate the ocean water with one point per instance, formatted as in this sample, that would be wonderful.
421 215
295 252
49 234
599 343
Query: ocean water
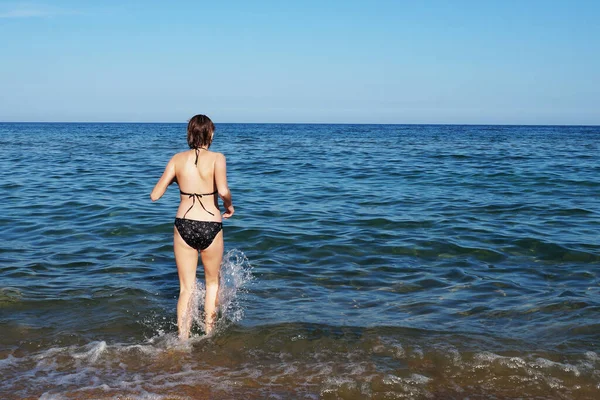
363 262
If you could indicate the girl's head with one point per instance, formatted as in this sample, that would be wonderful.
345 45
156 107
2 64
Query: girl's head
200 131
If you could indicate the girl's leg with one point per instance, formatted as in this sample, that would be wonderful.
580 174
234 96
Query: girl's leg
186 259
211 259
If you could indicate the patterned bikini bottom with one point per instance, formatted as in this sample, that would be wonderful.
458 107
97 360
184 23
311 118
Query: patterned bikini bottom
198 234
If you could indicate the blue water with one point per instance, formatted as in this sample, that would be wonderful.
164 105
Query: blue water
365 261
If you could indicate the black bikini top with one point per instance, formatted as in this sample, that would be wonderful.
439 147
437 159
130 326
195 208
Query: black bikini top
198 196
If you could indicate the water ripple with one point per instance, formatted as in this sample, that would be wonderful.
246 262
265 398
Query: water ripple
472 232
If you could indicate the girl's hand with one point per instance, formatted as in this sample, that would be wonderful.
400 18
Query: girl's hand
228 212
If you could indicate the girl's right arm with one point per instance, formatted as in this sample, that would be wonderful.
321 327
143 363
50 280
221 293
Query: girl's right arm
164 181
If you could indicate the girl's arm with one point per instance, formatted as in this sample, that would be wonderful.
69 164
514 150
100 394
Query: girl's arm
165 180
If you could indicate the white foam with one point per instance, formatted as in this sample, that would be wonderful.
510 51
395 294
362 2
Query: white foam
592 356
95 350
512 362
418 352
358 369
51 396
8 361
333 384
398 350
392 380
454 355
544 363
418 379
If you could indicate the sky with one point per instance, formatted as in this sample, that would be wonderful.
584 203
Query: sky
404 62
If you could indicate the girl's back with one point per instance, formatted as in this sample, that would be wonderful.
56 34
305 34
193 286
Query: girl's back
195 175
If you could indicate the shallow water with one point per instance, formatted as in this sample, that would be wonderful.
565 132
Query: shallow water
365 261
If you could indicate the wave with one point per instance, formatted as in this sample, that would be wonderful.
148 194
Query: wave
302 361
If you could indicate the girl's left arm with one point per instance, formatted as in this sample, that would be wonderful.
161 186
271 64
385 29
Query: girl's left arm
165 180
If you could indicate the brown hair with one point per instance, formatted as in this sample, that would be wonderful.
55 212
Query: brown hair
199 131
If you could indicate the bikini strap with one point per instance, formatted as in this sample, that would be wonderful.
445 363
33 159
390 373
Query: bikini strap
198 196
197 149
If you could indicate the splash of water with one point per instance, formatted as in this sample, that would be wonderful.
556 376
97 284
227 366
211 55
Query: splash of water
234 277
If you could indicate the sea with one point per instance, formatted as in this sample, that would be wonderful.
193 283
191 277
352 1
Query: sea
362 262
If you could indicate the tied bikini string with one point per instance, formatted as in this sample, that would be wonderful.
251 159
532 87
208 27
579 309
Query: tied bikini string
195 196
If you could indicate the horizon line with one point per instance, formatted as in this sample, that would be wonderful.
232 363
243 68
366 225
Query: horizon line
298 123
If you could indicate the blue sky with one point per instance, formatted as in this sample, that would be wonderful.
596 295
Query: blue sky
497 62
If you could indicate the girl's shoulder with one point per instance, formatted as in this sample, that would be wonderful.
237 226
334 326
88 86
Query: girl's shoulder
213 154
180 156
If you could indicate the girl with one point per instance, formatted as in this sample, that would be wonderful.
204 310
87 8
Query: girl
201 175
